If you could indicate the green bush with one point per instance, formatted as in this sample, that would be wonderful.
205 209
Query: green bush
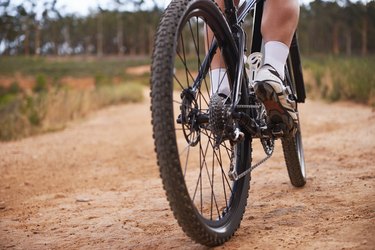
8 95
40 84
3 91
6 99
101 79
14 88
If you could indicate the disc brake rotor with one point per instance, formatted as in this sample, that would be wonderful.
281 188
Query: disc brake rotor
188 118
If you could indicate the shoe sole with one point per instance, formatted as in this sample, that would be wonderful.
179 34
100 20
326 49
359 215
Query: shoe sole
277 114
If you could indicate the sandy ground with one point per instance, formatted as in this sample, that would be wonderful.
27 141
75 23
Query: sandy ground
96 185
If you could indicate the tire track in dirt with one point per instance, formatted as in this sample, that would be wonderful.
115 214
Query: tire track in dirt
96 185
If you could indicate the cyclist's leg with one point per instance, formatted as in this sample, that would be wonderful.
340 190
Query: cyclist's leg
216 62
219 79
280 19
279 22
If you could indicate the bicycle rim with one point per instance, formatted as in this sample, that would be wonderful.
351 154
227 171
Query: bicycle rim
293 147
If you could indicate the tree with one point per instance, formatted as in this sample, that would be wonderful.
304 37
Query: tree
344 25
332 27
364 30
99 48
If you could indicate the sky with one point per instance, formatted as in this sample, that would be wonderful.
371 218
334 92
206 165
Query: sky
84 7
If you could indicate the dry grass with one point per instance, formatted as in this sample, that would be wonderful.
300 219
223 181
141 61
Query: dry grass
27 115
341 78
44 94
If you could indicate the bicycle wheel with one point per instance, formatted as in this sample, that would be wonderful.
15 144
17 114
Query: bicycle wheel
193 166
292 144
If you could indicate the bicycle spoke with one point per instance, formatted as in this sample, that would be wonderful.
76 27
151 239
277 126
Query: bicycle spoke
223 176
221 165
210 182
186 68
198 45
195 42
205 100
178 81
199 178
187 159
184 53
212 187
228 150
210 59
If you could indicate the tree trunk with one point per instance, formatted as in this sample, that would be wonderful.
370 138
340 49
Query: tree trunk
120 35
364 35
27 42
27 38
144 48
66 36
99 51
348 42
150 40
87 46
37 39
335 39
55 40
133 45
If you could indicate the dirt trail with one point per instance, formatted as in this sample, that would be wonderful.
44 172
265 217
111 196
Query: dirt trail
95 185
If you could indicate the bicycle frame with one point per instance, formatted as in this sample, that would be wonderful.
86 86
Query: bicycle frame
235 18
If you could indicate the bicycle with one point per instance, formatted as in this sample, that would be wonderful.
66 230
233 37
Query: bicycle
203 145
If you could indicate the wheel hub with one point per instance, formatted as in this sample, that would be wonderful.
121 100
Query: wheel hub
188 117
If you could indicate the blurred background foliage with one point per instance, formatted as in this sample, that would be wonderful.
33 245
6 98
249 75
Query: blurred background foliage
55 67
331 27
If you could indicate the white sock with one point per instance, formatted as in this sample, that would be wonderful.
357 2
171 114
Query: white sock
276 54
219 81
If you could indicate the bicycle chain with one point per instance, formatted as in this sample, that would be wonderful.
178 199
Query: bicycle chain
247 106
233 174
